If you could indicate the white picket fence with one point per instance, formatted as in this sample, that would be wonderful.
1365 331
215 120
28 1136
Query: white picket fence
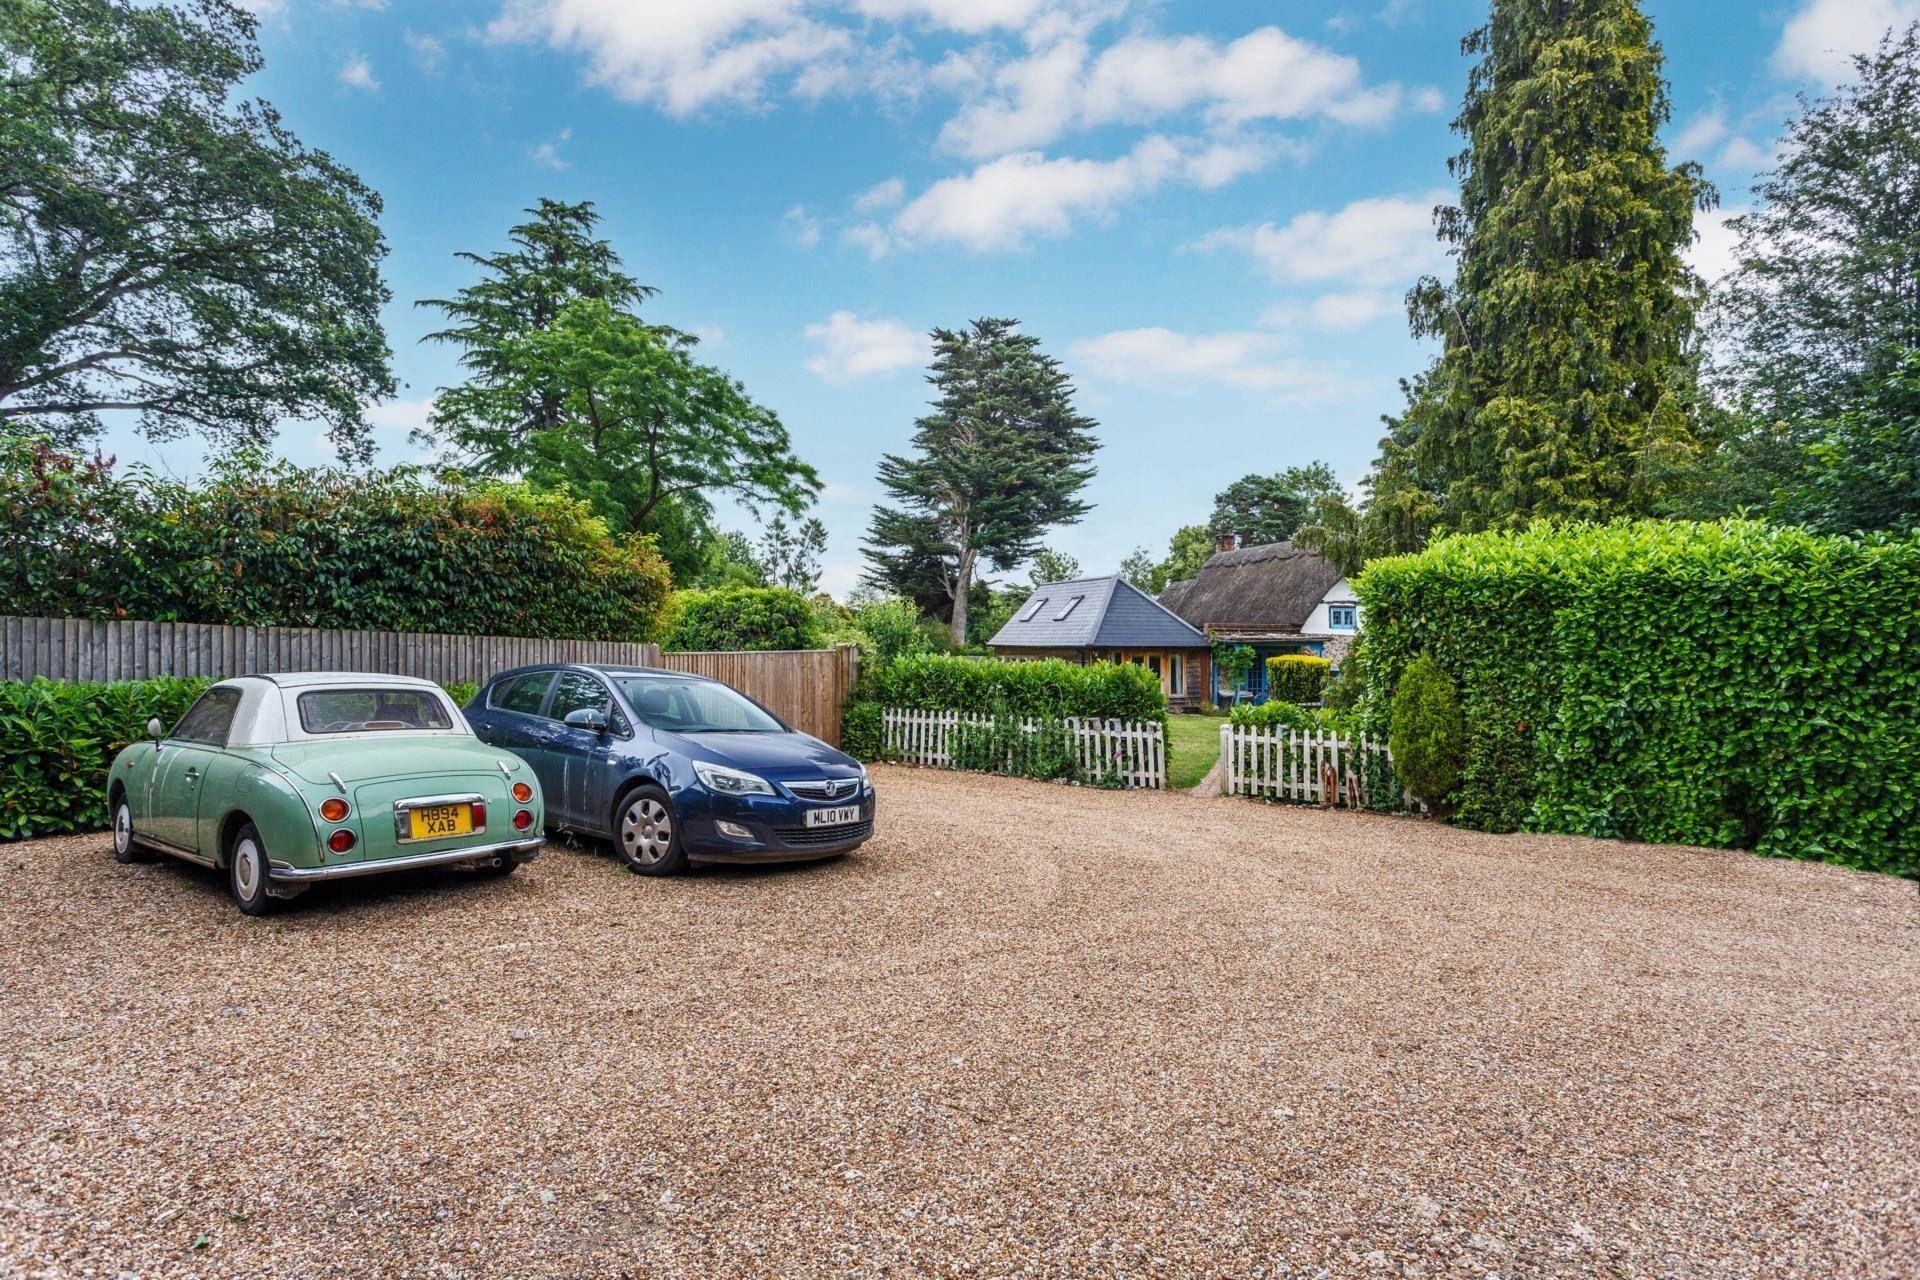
1282 763
1134 751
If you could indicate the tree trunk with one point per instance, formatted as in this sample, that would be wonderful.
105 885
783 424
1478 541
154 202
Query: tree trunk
962 589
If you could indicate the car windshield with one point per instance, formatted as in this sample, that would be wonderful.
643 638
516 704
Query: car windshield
694 706
372 710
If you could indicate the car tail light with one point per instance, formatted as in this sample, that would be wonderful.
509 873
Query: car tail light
522 792
334 809
522 820
340 841
479 814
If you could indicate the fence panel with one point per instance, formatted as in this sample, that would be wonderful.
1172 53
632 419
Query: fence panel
807 688
1134 751
1279 763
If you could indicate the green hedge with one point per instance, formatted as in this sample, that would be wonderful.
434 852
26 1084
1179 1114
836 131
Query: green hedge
261 543
1051 689
1731 684
1297 677
936 682
57 740
732 619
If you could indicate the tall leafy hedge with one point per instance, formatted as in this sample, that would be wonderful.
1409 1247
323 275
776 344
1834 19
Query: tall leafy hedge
57 741
1047 689
269 544
732 619
1731 684
58 738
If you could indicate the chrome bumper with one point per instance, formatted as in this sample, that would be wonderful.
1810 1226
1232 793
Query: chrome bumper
439 858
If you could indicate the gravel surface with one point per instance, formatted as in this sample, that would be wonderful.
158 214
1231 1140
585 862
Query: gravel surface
1028 1030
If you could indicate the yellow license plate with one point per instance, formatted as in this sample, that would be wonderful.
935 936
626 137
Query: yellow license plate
435 821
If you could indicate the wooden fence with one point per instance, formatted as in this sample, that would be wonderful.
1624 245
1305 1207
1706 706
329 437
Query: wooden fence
807 688
1134 751
1281 763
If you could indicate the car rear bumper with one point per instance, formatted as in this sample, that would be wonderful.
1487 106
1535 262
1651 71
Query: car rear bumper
522 850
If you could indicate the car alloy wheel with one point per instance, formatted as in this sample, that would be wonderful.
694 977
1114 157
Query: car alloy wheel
646 831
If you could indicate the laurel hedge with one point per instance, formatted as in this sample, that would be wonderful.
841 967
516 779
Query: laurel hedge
58 738
263 543
1049 689
1732 684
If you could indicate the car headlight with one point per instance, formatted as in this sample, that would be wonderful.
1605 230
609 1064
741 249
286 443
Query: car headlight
721 780
866 779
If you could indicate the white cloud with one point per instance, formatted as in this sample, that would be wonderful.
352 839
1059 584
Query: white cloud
679 56
1701 134
428 52
547 154
357 73
1373 242
1164 358
970 16
881 195
1715 251
1823 35
1344 312
1007 203
800 224
1742 153
852 348
1264 75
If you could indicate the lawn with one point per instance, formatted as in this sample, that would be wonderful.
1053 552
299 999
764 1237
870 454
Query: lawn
1195 745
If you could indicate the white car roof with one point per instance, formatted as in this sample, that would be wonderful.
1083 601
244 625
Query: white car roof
303 679
267 715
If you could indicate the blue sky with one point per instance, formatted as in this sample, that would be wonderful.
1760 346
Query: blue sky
1208 211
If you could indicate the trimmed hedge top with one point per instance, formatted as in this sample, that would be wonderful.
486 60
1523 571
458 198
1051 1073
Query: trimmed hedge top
935 682
735 619
1732 684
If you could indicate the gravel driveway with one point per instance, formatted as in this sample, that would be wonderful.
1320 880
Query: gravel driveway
1028 1030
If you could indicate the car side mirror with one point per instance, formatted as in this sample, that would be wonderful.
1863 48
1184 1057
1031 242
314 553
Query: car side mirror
155 729
586 718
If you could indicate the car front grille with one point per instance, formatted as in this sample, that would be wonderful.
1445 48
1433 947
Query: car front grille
825 788
804 836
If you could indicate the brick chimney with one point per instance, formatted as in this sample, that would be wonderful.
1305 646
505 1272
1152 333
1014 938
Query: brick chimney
1227 542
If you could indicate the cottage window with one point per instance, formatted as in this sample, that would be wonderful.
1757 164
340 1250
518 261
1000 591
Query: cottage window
1343 617
1070 607
1033 610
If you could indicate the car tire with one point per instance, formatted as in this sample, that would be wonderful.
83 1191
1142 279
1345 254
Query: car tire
125 847
646 833
247 872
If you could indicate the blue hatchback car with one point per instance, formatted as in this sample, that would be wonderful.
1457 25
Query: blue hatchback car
675 768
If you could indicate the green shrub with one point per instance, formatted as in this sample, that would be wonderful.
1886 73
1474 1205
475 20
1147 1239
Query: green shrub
862 729
732 619
1347 691
462 692
1287 715
935 682
1429 735
1731 684
892 627
1047 751
57 740
1296 677
264 543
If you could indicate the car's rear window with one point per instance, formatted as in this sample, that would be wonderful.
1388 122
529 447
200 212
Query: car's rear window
372 710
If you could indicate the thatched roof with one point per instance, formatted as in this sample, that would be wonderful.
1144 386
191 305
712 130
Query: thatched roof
1275 586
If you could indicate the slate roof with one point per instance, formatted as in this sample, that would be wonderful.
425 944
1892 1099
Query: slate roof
1112 614
1274 586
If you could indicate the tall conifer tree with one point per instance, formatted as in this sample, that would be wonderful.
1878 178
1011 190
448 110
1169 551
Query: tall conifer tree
1565 383
1000 459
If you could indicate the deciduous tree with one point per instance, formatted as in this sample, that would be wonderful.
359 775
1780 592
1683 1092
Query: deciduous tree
166 251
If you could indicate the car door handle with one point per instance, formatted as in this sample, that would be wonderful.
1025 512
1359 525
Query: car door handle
192 775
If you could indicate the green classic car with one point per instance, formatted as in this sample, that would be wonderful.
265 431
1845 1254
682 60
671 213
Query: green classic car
283 781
